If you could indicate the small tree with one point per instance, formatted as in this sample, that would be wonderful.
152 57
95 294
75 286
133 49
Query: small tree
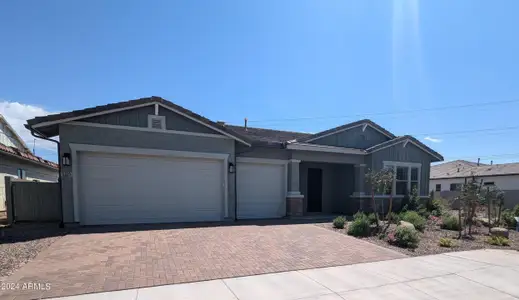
492 198
380 181
470 200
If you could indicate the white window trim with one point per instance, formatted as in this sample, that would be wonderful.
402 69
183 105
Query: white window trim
75 148
155 117
409 165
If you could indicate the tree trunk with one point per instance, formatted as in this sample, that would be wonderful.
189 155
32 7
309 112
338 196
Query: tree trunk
488 210
459 220
374 206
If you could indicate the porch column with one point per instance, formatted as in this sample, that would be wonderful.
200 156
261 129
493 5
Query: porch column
294 197
360 181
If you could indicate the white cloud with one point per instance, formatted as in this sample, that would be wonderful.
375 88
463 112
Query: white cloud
17 114
430 139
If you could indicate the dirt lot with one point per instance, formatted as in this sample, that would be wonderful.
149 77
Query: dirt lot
20 244
429 240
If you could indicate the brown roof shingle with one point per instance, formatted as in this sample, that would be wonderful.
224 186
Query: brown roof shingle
463 168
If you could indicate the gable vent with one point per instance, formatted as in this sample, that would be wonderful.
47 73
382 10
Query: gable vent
157 122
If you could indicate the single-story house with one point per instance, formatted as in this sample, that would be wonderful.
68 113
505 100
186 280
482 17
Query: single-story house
16 160
150 160
447 178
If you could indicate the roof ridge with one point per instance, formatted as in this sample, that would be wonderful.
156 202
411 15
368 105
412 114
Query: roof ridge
260 128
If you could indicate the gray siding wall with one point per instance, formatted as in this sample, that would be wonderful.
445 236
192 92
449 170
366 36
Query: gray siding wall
138 117
410 153
261 152
137 139
354 138
338 185
328 157
9 166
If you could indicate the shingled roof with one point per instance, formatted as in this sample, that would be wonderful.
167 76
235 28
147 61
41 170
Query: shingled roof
463 168
267 135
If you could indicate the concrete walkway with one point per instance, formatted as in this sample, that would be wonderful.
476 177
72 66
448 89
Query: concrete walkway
480 274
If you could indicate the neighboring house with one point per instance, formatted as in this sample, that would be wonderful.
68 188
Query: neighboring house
447 178
17 161
150 160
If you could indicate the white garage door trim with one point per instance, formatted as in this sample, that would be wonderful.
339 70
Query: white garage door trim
75 148
255 160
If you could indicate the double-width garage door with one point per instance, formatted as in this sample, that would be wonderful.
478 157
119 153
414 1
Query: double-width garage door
124 189
261 186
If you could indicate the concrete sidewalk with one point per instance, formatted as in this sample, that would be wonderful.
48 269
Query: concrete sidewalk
480 274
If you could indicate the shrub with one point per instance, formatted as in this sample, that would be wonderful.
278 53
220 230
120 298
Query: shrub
436 207
446 242
339 222
372 218
434 221
360 226
498 241
451 222
516 210
414 218
359 215
395 218
508 218
405 237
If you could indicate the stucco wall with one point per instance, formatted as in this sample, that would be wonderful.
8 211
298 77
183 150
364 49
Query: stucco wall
9 166
138 139
503 182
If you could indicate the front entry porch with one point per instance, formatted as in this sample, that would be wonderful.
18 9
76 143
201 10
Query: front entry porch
325 188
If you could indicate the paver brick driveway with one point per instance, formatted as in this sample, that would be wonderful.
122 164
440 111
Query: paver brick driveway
128 258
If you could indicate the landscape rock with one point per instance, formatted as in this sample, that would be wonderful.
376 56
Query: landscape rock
405 224
483 221
498 231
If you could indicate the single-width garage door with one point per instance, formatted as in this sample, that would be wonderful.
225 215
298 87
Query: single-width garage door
261 190
125 189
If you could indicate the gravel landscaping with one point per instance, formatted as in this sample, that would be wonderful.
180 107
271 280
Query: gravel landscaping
430 237
20 244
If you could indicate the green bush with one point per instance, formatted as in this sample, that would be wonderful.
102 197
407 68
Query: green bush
498 241
414 218
516 210
372 218
339 222
406 237
436 207
508 218
450 222
360 225
358 215
395 218
446 242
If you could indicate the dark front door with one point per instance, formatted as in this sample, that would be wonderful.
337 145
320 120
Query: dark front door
315 190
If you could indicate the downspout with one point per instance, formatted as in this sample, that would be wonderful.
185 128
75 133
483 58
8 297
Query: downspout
41 136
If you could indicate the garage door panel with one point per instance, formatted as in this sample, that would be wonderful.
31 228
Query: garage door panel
261 190
118 189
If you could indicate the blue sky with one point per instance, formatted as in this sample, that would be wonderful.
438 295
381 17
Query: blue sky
333 61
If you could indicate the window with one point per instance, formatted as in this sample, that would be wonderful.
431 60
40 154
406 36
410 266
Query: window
407 177
438 188
157 122
21 173
489 183
455 187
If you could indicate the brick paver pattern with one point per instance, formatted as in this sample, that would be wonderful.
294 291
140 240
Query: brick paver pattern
107 261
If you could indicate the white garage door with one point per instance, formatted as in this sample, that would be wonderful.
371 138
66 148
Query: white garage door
125 189
261 190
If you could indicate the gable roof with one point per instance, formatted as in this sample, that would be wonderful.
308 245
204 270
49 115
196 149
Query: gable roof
271 136
365 122
15 134
405 139
461 169
50 122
